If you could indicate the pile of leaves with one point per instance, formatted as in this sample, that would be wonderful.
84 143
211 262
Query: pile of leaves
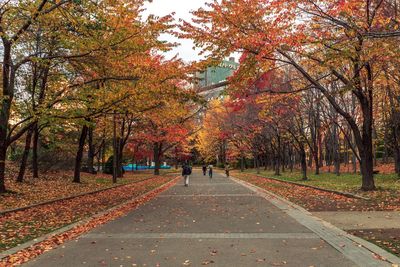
318 200
55 185
21 226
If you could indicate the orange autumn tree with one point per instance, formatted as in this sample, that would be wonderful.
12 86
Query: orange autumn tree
228 127
171 123
334 47
211 137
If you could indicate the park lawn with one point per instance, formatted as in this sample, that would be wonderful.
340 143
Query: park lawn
346 182
384 199
57 185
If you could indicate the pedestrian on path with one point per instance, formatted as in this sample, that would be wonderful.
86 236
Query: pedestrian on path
204 169
227 169
186 172
210 171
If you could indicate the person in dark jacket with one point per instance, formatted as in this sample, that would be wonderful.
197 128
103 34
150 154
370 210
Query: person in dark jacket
204 169
186 172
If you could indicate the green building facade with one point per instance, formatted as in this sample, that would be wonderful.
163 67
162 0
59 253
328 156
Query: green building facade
217 74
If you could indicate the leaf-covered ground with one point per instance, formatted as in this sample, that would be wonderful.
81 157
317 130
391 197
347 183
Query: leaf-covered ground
55 185
388 239
347 182
21 226
317 200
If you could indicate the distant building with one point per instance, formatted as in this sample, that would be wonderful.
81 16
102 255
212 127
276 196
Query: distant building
214 75
217 74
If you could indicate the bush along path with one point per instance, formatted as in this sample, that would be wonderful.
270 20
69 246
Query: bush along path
315 200
22 226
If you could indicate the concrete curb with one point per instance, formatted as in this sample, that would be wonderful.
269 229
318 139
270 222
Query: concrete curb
359 251
61 230
71 197
317 188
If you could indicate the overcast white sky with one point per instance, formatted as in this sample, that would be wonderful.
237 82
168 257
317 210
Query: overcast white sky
182 10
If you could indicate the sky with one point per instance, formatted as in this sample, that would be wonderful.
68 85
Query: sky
182 10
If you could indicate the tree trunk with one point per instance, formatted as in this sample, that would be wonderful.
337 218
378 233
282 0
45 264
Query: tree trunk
242 163
35 164
7 96
365 147
303 162
283 153
291 159
395 127
25 155
120 155
79 154
397 160
157 150
336 150
91 152
310 160
278 156
316 160
3 150
366 165
277 165
99 156
115 149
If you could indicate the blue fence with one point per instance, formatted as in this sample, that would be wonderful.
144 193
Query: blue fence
134 167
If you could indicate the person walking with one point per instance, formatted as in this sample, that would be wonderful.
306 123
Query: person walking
186 172
210 171
227 169
204 169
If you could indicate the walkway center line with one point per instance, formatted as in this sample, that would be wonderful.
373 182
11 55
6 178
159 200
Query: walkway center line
203 236
212 195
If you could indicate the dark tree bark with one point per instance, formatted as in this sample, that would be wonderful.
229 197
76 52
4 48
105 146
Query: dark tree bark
120 155
278 156
79 154
257 163
303 162
35 164
283 153
315 126
115 149
336 148
8 94
291 163
394 126
242 163
157 151
25 155
91 152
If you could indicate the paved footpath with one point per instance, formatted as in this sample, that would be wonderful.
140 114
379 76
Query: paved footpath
214 222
